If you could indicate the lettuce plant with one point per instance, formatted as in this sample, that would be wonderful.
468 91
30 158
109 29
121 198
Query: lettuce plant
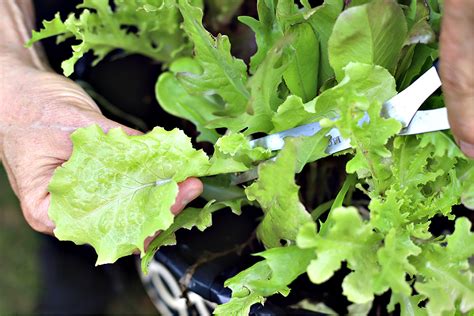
341 58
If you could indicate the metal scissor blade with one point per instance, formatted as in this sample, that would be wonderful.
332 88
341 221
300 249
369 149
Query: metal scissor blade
427 121
277 141
404 105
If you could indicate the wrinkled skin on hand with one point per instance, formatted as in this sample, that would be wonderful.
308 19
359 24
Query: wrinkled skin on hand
39 111
457 70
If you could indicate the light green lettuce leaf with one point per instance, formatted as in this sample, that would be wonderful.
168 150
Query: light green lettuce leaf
267 30
279 268
427 170
344 237
386 211
291 113
447 280
372 33
116 189
277 194
393 258
174 99
222 74
362 85
102 30
363 82
233 153
191 217
361 92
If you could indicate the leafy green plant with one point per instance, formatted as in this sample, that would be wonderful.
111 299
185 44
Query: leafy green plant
312 63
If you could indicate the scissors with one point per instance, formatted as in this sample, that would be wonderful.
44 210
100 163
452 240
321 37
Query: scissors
402 107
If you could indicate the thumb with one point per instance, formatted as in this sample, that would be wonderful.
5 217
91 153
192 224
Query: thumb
189 189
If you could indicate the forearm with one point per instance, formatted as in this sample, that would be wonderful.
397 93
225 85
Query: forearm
16 25
16 62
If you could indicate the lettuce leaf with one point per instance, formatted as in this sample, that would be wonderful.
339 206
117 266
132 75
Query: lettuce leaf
222 74
100 29
277 194
271 276
116 190
372 33
174 99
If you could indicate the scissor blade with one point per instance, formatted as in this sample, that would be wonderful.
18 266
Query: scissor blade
277 141
404 105
427 121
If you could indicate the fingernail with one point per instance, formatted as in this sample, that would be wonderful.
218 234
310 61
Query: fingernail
467 148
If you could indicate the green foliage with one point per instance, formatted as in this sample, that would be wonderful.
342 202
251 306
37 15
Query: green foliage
271 276
221 72
277 194
375 33
346 237
191 217
322 21
175 100
335 64
102 30
301 76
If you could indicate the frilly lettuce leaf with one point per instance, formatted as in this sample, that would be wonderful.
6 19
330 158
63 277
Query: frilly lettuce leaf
222 73
174 99
116 189
100 29
447 278
345 237
393 258
233 153
361 93
277 194
191 217
271 276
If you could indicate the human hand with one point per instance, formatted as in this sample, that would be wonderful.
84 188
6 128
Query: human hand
457 70
39 111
